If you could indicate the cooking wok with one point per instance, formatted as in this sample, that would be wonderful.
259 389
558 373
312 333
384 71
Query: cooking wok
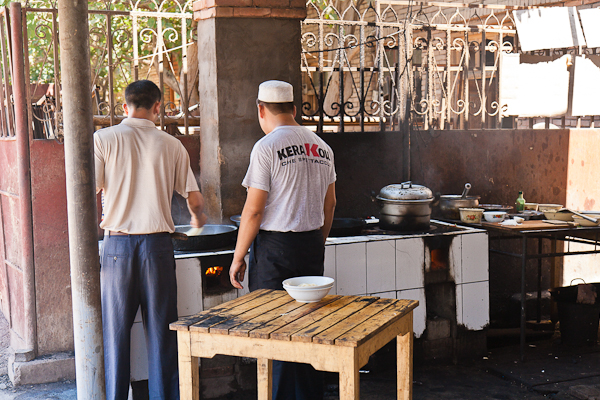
212 237
346 227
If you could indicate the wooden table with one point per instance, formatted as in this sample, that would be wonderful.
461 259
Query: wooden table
541 230
336 334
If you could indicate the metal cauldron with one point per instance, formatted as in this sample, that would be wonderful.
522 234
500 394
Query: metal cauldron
405 207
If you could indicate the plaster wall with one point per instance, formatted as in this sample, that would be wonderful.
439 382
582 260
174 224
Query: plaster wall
583 194
235 56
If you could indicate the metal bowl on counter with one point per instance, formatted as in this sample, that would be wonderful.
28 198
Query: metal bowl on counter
451 203
212 237
405 207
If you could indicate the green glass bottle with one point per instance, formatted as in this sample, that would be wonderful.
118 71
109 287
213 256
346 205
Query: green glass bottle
520 203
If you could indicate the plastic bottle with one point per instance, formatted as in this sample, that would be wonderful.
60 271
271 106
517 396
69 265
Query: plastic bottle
520 203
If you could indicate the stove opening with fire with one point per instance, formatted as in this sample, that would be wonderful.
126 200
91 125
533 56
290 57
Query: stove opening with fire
215 274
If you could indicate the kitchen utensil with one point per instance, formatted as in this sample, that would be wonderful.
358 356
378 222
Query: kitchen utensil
405 207
586 217
494 216
584 221
212 237
466 190
316 288
549 207
449 204
342 227
531 206
471 215
495 207
562 215
236 219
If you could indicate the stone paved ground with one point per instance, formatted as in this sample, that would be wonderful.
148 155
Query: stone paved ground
552 371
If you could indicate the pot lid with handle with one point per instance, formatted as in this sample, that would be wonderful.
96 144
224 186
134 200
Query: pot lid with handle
405 191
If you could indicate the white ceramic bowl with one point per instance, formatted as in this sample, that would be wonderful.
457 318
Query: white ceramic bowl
585 222
471 215
549 207
531 206
519 220
308 294
494 216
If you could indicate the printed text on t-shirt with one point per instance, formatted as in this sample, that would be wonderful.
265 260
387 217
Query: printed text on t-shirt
310 150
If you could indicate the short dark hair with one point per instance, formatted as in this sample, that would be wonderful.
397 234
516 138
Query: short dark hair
277 108
142 94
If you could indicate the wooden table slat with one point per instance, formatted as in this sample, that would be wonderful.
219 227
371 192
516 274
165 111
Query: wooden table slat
204 325
254 323
184 323
224 327
265 331
307 333
377 323
286 332
329 335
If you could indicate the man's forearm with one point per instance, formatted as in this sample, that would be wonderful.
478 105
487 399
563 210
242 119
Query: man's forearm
249 226
195 203
328 211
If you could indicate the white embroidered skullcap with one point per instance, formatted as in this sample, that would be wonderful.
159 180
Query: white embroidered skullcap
276 92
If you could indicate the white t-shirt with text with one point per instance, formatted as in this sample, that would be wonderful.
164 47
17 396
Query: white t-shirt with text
296 167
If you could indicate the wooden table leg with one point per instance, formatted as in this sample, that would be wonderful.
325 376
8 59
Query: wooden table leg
404 360
349 377
265 378
189 371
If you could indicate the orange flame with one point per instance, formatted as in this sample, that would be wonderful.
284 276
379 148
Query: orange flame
214 271
438 260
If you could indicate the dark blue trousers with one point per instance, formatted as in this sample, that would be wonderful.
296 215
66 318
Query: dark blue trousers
139 270
275 257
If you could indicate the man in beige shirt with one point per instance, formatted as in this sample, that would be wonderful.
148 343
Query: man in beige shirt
138 167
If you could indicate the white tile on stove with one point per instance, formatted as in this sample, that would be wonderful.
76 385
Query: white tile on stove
475 263
330 266
351 268
410 258
473 305
384 295
419 313
381 266
189 286
138 353
455 258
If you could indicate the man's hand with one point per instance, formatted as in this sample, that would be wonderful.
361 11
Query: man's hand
198 222
237 272
195 203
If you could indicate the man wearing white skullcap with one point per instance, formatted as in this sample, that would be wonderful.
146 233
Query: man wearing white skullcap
287 216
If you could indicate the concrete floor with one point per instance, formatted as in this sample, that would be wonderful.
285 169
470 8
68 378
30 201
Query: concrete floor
551 371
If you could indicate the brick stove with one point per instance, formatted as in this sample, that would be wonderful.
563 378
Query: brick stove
445 268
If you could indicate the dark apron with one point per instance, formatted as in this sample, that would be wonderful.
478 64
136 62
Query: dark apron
277 256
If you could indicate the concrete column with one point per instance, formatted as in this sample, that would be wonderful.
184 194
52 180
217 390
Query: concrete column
81 198
241 43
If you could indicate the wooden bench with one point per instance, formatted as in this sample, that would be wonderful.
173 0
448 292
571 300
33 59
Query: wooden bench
337 334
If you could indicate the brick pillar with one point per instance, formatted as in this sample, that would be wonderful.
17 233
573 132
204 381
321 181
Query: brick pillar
241 43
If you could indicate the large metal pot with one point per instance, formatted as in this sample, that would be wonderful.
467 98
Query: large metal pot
405 207
212 237
450 203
